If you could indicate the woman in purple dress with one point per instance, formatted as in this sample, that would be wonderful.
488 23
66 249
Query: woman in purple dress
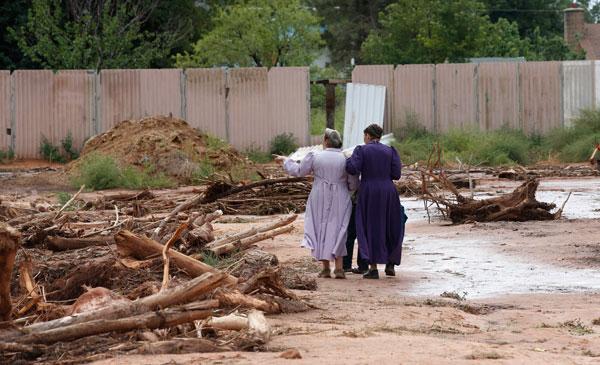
379 215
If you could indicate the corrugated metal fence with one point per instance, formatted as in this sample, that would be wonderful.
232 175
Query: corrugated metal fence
533 96
246 106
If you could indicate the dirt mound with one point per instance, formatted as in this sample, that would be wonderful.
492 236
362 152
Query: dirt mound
168 144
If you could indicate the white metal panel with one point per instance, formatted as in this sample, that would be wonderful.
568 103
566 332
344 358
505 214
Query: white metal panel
365 104
578 84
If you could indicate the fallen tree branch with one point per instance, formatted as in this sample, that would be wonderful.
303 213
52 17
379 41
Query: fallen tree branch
69 201
141 247
175 237
247 242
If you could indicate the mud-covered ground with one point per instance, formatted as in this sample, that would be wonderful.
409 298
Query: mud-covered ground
524 293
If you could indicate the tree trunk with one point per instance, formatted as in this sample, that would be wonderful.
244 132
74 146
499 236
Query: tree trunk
10 240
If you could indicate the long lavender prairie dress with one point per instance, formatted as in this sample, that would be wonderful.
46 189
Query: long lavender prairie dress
329 206
379 216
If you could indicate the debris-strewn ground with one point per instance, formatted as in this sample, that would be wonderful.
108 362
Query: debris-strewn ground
496 292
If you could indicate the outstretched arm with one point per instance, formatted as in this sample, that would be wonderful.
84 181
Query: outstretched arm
354 163
396 165
301 168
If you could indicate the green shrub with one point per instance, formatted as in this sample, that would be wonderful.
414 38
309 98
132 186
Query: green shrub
203 171
257 155
67 145
6 156
215 143
63 197
283 144
98 172
49 151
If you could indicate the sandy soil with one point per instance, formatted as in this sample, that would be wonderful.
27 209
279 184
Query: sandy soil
511 315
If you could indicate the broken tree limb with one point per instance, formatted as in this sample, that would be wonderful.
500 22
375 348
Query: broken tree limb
230 322
10 240
209 198
152 320
181 207
254 230
175 237
63 243
259 326
237 299
26 283
69 201
181 294
141 247
247 242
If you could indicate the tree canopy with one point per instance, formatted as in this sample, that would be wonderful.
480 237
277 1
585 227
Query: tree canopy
258 33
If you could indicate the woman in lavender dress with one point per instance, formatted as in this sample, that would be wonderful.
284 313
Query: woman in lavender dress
379 216
329 206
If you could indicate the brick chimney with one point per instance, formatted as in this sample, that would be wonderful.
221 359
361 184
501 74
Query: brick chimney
574 25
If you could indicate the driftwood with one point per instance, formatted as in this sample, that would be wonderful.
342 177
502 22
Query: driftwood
152 320
237 299
165 255
184 293
221 190
10 240
247 242
141 248
62 243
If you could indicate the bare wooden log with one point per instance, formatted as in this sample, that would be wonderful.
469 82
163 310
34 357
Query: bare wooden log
247 242
237 299
230 322
141 247
10 240
254 230
159 319
184 293
26 282
19 347
259 326
63 243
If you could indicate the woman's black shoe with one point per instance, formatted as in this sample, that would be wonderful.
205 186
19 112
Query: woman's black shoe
357 270
371 274
389 270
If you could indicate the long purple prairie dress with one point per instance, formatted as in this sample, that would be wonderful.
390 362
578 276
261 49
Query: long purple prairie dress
329 206
379 215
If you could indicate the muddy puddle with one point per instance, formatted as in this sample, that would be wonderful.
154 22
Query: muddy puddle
476 266
472 268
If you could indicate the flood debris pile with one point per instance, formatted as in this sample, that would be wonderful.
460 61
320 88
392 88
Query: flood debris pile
139 272
519 205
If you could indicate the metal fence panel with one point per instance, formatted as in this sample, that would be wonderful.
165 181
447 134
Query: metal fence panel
455 96
578 88
413 96
205 100
541 97
498 95
288 98
4 110
120 97
248 108
52 106
365 104
379 75
160 92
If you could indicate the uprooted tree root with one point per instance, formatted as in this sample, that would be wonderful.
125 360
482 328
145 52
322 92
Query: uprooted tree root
519 205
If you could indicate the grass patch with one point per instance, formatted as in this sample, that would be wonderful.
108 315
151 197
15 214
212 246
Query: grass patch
257 155
203 171
53 153
576 327
6 156
99 172
215 143
318 120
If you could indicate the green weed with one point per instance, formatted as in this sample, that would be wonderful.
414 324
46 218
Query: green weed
257 155
576 327
100 172
283 144
50 152
6 156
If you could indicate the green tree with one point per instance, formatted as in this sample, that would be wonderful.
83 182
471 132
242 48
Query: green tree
347 24
258 33
13 14
544 15
93 34
501 39
427 31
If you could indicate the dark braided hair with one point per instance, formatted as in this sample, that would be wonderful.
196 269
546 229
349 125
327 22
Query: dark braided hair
374 130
